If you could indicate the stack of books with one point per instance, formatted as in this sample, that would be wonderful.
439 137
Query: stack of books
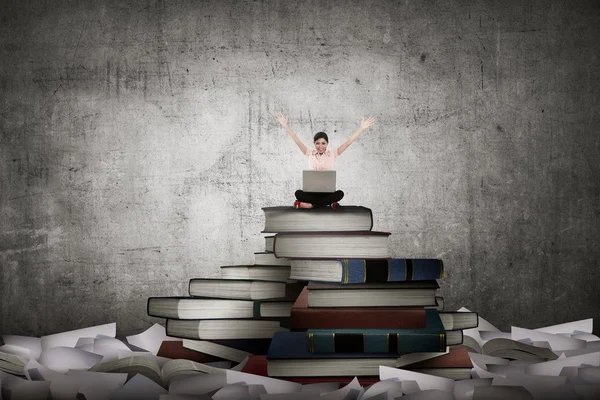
234 316
361 309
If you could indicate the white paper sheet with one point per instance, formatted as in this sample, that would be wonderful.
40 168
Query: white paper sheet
501 392
352 390
554 367
463 390
424 381
198 384
431 394
151 338
321 388
61 359
70 338
557 342
583 325
392 387
33 344
272 385
412 358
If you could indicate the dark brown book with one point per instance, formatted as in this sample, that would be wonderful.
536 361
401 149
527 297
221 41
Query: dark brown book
456 358
174 349
304 317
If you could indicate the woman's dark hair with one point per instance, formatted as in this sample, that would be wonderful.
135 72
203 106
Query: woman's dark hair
321 135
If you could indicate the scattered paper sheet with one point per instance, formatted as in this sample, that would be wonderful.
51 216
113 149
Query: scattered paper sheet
352 390
272 385
431 394
32 344
198 384
393 388
98 385
501 392
151 338
463 390
62 359
583 325
321 388
424 381
554 367
70 338
555 341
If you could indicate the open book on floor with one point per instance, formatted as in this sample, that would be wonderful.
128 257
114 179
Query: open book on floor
153 368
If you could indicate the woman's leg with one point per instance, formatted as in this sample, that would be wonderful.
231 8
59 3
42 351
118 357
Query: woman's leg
319 199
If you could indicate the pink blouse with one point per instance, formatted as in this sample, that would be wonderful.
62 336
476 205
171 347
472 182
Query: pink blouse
320 161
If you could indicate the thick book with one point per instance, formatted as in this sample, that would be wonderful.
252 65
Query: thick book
454 320
242 289
289 219
268 258
331 244
431 338
288 356
392 294
278 273
367 270
211 308
304 317
223 329
456 364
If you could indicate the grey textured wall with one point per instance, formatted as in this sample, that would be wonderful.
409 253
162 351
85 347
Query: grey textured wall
139 145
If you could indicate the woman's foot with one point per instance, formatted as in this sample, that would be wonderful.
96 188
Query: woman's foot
301 204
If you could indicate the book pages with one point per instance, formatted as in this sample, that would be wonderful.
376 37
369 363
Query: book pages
70 338
150 339
424 381
138 388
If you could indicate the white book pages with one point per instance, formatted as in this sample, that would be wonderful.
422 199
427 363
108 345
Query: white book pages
151 338
138 388
590 375
576 352
61 386
98 385
555 341
215 349
391 387
129 353
569 372
483 360
70 338
61 359
499 392
183 397
272 385
198 384
321 388
482 373
555 367
463 390
541 343
33 344
424 381
489 335
584 325
412 358
483 324
352 390
431 394
219 364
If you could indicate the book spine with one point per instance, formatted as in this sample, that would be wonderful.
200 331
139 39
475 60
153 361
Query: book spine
326 341
390 270
256 309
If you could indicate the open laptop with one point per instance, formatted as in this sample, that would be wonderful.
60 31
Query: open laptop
322 181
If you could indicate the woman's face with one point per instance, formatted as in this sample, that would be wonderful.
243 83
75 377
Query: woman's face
321 145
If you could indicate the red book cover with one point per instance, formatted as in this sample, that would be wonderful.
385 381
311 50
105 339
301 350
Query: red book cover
304 317
175 350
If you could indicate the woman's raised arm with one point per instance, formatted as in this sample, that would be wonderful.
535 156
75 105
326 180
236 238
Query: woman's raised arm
283 120
364 124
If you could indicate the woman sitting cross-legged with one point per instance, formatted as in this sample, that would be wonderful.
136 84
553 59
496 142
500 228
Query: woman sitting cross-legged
321 159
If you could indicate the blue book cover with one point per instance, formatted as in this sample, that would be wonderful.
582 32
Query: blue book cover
432 338
294 345
390 270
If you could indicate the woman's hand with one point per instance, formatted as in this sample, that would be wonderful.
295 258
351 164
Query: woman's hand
366 122
283 119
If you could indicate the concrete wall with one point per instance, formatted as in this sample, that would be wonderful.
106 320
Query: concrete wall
139 145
